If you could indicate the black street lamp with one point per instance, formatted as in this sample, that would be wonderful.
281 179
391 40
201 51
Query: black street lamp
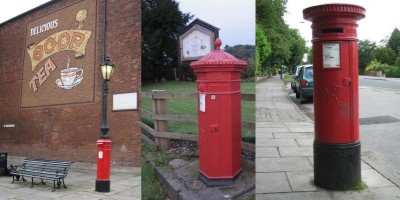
106 69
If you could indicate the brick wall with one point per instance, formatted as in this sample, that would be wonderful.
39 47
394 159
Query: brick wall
70 131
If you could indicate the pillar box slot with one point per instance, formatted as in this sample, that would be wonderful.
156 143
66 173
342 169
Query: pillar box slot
332 30
337 159
219 116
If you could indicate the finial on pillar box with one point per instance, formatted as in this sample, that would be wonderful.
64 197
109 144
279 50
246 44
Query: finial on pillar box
218 44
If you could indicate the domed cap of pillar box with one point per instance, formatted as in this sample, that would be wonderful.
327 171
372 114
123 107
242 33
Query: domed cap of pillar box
218 59
334 10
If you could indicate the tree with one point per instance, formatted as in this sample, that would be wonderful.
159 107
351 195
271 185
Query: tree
246 53
161 23
287 47
366 50
394 41
385 55
269 17
263 49
297 48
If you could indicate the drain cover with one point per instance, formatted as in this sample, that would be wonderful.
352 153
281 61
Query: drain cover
378 120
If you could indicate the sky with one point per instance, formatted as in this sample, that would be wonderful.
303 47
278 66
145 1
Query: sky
381 17
10 9
235 18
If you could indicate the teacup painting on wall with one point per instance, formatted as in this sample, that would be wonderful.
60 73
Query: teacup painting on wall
69 77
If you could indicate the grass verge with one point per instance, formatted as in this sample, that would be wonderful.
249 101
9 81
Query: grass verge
151 186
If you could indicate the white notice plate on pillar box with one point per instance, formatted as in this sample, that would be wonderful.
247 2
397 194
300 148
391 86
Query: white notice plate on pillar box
202 102
331 55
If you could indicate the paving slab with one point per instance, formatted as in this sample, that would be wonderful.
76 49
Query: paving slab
374 180
262 142
296 196
272 183
272 130
302 181
288 164
305 142
267 152
305 129
305 135
295 151
265 135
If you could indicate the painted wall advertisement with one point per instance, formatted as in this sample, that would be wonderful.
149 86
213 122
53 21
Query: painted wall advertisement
59 61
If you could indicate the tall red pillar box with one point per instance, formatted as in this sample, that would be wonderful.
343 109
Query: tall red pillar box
337 158
103 165
219 116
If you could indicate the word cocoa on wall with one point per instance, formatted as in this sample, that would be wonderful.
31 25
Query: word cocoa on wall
59 57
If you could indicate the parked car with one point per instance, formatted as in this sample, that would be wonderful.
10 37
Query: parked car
294 76
305 83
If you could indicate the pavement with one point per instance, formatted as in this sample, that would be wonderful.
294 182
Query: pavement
125 184
284 154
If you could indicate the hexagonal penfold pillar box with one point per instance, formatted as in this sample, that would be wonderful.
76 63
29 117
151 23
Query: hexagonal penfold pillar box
337 158
219 116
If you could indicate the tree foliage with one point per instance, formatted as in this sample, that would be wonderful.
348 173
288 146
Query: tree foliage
394 41
263 49
287 46
161 23
385 55
366 50
246 53
297 48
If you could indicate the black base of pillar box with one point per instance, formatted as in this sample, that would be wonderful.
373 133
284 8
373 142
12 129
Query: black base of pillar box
102 186
216 182
337 166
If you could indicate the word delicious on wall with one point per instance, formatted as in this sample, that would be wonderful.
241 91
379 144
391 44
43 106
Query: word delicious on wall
59 58
44 27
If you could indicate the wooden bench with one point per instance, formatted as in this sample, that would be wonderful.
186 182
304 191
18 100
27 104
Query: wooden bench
42 169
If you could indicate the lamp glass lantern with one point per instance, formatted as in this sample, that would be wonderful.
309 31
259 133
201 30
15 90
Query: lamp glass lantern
107 69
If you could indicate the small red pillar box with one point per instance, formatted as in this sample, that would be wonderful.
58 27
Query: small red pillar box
337 158
219 116
103 165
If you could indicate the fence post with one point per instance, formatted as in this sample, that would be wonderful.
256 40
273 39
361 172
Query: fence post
160 107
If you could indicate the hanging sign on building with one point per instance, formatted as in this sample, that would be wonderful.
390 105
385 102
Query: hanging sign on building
59 59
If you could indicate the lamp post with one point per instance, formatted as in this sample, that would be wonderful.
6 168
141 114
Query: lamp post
104 143
106 69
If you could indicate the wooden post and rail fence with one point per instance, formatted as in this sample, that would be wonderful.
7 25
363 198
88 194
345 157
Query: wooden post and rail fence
161 117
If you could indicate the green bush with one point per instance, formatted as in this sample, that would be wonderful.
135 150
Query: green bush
392 71
373 66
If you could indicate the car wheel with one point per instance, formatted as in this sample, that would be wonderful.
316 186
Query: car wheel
303 99
297 94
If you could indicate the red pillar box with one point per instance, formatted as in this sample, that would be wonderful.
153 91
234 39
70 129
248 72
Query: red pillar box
103 165
337 159
219 116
